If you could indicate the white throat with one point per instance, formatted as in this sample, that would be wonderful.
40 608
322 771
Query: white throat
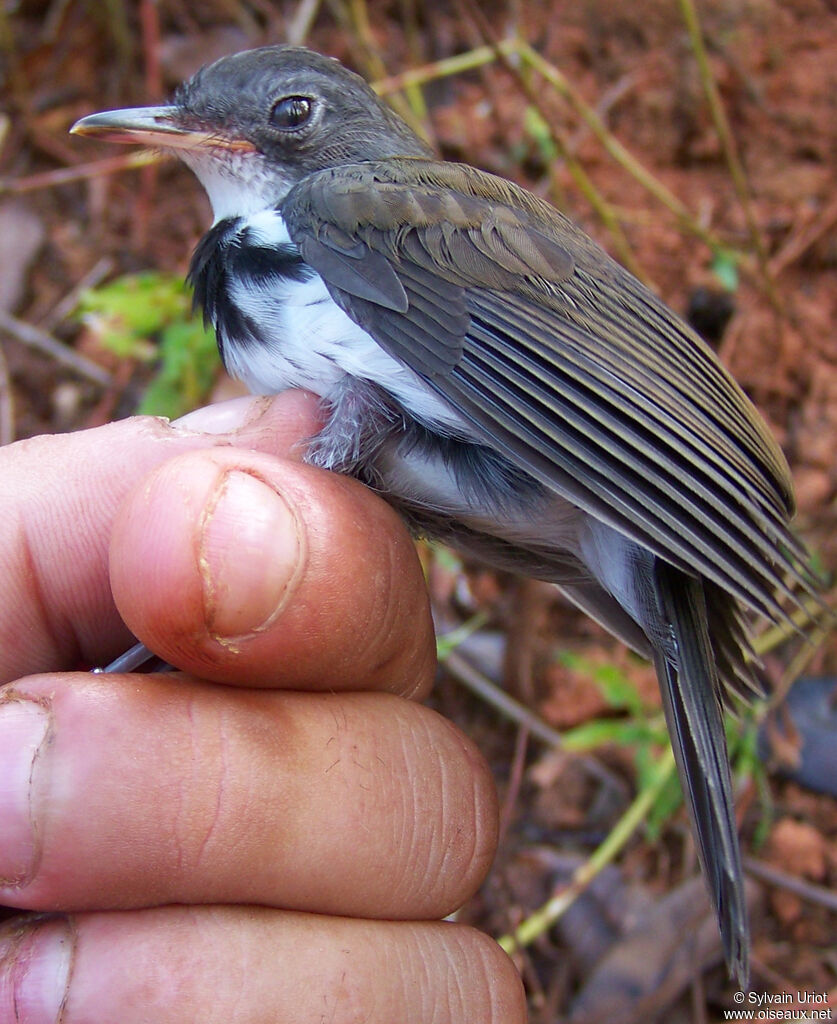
237 184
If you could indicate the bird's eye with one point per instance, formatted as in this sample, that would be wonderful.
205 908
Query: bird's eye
290 112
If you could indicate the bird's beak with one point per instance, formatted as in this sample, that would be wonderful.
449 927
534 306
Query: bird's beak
153 126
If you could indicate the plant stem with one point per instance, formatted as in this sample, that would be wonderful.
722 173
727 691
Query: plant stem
545 916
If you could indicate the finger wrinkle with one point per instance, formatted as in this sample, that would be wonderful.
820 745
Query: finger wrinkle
222 780
454 847
478 959
477 850
195 826
388 614
414 971
182 823
423 674
457 854
460 997
422 823
58 632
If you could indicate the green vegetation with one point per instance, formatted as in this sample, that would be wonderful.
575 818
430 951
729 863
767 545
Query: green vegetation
147 317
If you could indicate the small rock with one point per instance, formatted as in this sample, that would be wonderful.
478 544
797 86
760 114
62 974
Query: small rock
798 848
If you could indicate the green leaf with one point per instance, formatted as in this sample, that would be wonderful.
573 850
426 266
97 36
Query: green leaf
540 132
616 688
148 317
725 268
599 732
189 361
669 798
134 307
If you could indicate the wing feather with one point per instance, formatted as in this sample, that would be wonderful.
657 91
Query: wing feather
562 359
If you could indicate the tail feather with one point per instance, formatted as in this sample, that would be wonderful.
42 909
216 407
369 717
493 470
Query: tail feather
739 667
691 692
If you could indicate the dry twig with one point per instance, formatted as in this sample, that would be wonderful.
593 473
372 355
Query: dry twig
26 334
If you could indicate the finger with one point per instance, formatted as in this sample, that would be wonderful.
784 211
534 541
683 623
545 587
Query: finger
57 504
228 965
358 804
240 567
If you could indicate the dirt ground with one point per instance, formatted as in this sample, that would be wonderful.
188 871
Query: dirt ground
68 218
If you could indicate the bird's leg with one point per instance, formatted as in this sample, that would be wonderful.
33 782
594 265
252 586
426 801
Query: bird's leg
360 418
136 659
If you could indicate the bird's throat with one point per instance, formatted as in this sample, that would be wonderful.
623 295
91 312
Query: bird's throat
237 183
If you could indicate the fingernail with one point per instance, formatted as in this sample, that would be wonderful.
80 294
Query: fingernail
223 417
251 556
24 725
35 972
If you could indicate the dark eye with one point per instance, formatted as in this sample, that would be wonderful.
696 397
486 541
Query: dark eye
290 112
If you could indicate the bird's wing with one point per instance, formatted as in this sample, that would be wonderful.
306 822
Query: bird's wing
560 357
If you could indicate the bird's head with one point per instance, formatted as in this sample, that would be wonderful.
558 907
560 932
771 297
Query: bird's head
253 124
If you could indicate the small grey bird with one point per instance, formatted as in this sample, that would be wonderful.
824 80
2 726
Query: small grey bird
506 385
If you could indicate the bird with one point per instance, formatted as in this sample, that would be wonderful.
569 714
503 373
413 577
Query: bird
506 385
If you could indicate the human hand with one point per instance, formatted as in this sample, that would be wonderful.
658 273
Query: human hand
270 834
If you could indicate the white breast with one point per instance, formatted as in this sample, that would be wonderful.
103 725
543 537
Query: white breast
309 342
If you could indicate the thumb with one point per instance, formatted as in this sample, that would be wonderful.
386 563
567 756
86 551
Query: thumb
250 569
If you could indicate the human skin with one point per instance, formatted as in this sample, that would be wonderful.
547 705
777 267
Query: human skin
273 832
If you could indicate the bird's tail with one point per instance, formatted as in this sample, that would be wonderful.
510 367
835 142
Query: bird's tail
690 688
